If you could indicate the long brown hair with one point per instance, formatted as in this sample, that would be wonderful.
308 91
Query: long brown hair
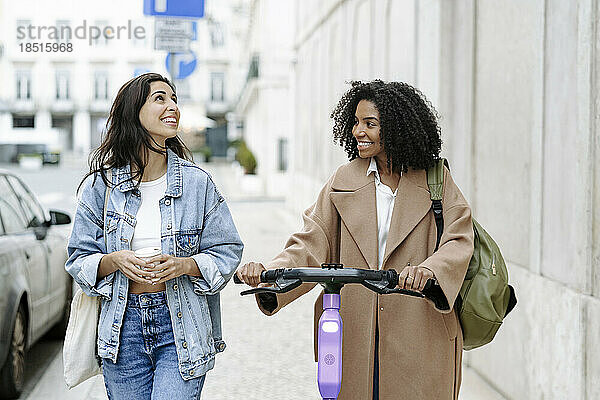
126 141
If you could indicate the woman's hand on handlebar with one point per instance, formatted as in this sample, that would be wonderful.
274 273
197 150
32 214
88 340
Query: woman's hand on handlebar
414 277
250 272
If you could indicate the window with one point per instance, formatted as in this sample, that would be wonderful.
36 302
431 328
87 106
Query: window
34 215
254 67
62 85
64 32
184 91
217 86
24 85
22 31
101 40
10 210
23 121
216 35
101 85
139 37
282 156
10 218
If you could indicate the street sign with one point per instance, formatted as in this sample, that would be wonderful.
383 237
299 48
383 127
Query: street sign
184 64
172 44
173 35
173 27
175 8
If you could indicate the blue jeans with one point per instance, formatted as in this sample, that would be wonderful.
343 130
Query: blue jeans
147 366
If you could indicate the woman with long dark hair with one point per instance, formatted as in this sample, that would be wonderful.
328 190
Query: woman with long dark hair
160 326
375 212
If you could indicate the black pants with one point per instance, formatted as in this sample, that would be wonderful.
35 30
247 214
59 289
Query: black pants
376 368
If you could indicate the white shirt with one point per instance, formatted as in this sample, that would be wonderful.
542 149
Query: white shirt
385 205
147 227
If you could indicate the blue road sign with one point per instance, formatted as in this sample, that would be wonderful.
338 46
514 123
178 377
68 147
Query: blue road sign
185 64
174 8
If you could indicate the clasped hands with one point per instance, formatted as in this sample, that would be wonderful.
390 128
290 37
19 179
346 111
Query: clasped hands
156 270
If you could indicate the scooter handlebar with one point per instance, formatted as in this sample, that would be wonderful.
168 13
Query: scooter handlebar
286 279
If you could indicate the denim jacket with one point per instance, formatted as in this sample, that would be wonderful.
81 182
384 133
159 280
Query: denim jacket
195 222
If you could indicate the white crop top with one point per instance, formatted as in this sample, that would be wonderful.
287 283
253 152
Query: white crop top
147 228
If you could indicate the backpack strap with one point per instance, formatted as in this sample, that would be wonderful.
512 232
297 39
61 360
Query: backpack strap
435 181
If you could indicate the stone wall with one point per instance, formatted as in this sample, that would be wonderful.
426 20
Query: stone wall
516 85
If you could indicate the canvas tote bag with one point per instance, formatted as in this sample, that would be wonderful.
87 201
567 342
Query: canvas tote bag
79 351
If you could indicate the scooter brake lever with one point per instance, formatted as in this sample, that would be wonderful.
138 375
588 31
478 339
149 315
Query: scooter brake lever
380 287
403 291
281 286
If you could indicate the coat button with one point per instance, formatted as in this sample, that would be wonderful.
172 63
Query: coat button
168 226
192 372
175 287
179 315
381 308
167 202
184 345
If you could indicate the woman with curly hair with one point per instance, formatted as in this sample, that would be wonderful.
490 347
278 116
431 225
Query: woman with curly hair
375 212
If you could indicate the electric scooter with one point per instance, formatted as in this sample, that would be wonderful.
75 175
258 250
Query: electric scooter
332 277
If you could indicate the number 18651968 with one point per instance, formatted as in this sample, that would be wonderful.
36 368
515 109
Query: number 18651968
46 47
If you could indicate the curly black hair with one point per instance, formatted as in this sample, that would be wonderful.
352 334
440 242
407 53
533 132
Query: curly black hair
409 123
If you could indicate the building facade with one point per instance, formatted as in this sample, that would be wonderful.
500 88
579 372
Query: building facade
223 64
60 93
264 109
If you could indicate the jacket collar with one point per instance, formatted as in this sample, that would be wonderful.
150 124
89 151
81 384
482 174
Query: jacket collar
174 179
354 197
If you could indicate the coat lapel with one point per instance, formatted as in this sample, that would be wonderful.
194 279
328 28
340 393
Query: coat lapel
358 212
354 199
411 205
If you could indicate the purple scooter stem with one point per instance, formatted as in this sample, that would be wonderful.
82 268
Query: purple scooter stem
329 375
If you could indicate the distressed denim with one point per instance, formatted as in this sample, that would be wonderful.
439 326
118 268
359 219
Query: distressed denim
195 222
147 365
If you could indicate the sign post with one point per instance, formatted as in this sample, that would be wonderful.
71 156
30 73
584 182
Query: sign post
174 32
172 67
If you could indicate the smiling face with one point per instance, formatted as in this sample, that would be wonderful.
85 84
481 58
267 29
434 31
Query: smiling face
160 115
367 131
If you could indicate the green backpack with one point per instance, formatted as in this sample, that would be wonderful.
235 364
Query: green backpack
485 297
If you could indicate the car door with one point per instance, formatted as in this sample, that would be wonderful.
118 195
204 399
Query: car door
22 225
7 265
54 245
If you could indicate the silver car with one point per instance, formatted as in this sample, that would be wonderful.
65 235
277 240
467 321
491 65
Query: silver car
35 290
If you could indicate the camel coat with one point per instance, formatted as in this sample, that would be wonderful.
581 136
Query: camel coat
420 347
